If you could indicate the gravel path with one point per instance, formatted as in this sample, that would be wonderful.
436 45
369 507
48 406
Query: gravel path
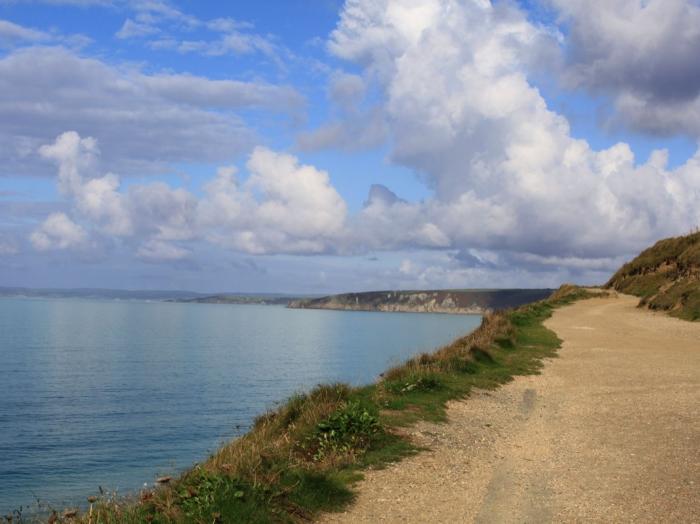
610 432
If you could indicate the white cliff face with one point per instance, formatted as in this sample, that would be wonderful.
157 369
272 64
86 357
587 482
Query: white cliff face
443 301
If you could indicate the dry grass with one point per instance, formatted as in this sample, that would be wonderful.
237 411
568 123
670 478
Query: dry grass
459 354
666 276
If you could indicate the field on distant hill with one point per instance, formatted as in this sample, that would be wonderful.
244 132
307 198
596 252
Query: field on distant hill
666 277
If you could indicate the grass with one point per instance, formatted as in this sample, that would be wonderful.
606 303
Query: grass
304 458
666 277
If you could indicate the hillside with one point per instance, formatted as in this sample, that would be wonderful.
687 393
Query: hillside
259 299
462 301
666 277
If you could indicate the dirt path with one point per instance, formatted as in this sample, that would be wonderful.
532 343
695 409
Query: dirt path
610 432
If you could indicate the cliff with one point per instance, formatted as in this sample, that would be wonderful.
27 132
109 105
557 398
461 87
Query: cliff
666 276
458 301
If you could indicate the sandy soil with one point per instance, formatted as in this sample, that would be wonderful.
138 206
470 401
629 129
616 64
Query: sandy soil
609 432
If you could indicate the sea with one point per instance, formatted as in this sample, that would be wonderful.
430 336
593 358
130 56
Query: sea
105 394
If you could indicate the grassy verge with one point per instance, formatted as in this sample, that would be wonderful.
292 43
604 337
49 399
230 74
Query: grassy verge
304 457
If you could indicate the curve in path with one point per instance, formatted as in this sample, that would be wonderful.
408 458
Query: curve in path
609 432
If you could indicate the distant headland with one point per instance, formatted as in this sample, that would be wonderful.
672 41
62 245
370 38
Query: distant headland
453 301
456 301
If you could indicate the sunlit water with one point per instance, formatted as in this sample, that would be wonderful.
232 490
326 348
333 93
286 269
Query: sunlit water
111 394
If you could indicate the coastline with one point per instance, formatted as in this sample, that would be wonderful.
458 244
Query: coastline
448 301
217 350
304 457
604 434
396 308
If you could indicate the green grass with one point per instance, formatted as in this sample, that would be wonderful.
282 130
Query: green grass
305 457
666 277
681 299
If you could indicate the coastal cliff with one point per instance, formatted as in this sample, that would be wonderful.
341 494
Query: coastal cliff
666 276
457 301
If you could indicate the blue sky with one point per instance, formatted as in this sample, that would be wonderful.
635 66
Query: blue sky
321 146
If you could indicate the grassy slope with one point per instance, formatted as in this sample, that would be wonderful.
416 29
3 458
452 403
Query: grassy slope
666 276
305 457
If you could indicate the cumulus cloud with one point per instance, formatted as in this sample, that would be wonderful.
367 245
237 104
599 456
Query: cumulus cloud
282 207
144 121
507 174
641 52
151 214
298 210
445 84
58 232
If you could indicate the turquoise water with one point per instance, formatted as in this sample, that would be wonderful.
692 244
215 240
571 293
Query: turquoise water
112 394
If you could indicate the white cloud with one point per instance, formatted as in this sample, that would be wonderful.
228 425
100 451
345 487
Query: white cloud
132 29
231 36
154 11
297 211
282 207
641 52
235 43
224 94
144 121
14 36
446 83
507 174
58 232
11 33
226 25
299 198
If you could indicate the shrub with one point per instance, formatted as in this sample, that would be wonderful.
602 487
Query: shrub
415 382
349 430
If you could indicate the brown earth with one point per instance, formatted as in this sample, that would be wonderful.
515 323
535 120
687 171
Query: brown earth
609 432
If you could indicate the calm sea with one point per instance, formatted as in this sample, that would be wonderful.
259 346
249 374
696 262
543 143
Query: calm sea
112 394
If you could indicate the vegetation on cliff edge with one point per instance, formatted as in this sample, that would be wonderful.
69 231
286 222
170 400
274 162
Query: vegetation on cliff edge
304 457
666 276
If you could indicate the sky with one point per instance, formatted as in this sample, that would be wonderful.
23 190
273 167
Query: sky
320 146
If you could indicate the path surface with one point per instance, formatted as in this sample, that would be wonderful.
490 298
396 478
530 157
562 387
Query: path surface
610 432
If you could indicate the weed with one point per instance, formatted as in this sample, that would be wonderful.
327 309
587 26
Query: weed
415 382
349 429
